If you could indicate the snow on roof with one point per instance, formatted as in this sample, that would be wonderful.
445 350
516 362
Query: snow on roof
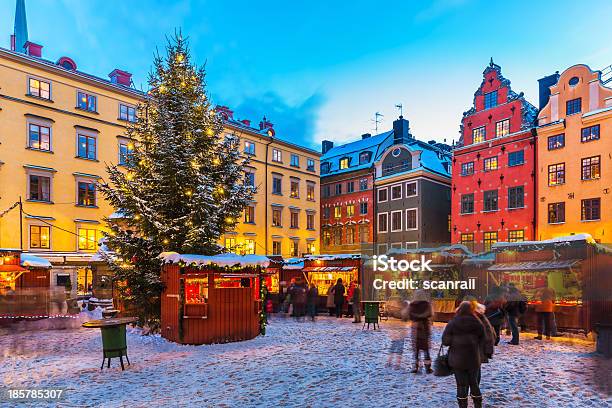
444 250
373 144
558 241
294 263
486 258
332 257
223 260
34 261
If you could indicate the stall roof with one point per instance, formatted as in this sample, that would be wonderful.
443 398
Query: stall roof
444 250
332 257
12 268
329 269
293 263
486 258
223 260
34 261
534 265
558 242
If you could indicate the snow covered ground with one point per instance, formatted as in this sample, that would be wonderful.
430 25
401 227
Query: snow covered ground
329 363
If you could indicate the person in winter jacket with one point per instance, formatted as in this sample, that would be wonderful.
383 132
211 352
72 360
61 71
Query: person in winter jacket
488 346
356 303
331 306
420 314
339 291
349 300
516 305
312 300
494 303
299 298
544 311
465 335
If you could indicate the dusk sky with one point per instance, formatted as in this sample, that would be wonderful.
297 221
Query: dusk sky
320 70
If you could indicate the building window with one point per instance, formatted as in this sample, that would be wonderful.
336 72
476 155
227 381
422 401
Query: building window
344 163
467 203
326 213
364 234
490 238
249 214
295 219
573 106
350 234
310 221
382 195
516 158
310 248
556 213
249 246
396 221
516 236
326 237
396 192
325 168
127 112
326 191
310 165
294 246
295 160
230 243
338 236
87 239
556 174
589 133
87 147
39 237
338 189
411 219
295 188
363 184
277 220
124 152
468 240
249 179
350 210
556 141
502 128
490 100
276 248
382 222
364 157
479 134
591 168
40 188
277 185
590 209
467 169
86 101
249 147
411 189
363 208
490 163
39 137
86 195
490 200
40 89
277 156
310 191
337 211
350 187
516 196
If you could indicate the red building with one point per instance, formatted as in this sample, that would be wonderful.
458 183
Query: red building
494 167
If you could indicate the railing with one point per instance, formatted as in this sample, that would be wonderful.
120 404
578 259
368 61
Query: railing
398 168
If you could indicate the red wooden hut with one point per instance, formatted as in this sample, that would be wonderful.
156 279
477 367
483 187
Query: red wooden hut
212 299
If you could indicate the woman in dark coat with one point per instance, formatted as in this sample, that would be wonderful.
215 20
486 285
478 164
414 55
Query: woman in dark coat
495 312
465 335
420 313
313 299
339 291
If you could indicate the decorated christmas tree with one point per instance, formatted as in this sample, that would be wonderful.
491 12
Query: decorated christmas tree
182 185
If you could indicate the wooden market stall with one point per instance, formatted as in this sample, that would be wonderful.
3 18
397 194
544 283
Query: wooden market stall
576 269
212 299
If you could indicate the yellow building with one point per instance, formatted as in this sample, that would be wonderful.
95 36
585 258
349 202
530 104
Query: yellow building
283 218
574 164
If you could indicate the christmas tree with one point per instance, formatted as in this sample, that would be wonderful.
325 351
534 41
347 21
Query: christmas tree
183 183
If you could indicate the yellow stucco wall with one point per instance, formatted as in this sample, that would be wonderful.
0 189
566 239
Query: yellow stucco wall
596 103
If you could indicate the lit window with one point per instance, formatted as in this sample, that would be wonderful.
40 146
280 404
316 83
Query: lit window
337 211
127 112
479 134
350 210
556 174
87 147
490 163
310 221
230 243
591 167
310 248
344 163
468 240
249 247
310 191
86 193
591 209
490 100
294 219
276 217
295 188
249 147
294 247
467 168
86 101
490 238
40 89
276 248
249 214
87 239
39 137
516 236
502 128
39 237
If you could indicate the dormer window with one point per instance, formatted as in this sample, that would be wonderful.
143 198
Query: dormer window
344 163
490 100
324 168
364 157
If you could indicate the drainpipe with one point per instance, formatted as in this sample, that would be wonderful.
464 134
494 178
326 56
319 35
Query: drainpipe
535 182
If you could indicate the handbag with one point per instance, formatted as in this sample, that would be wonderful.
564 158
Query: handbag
441 366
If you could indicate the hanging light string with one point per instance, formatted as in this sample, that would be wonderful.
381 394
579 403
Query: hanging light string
59 228
3 213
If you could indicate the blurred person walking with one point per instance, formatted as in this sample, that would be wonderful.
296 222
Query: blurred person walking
516 305
420 314
495 312
339 291
356 303
330 300
313 298
544 311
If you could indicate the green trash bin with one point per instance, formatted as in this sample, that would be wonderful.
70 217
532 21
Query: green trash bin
114 342
371 314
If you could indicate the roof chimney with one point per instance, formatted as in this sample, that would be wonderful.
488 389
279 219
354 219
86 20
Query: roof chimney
326 146
401 130
544 85
366 135
120 77
246 122
225 112
20 33
35 50
265 124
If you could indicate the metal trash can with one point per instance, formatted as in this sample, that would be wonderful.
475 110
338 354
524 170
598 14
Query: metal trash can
371 314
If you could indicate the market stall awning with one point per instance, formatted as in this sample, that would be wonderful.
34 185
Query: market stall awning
12 268
329 269
534 265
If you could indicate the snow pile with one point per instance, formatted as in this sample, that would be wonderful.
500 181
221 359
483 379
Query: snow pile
34 261
222 260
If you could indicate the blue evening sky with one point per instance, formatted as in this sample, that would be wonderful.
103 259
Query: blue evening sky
321 69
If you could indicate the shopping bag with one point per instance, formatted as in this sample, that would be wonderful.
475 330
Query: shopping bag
441 366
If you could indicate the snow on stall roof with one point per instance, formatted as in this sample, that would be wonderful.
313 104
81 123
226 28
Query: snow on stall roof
294 263
444 250
332 257
486 258
223 260
552 241
34 261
